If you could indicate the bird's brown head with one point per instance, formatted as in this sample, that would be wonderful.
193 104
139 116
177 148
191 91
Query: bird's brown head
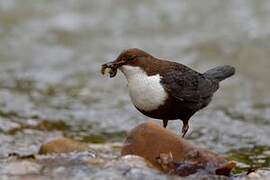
132 57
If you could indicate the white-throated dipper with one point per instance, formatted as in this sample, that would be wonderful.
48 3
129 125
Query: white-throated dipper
166 90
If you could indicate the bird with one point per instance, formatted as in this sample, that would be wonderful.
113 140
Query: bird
166 90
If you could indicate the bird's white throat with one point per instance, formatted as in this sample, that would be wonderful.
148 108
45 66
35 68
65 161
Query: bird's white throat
146 92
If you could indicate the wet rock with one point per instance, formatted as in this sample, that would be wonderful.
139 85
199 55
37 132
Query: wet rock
129 167
259 174
20 168
128 162
171 153
226 168
62 145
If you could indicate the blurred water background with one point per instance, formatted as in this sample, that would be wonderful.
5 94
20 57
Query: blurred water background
50 81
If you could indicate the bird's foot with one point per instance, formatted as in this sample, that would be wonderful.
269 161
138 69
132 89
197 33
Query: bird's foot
185 128
165 123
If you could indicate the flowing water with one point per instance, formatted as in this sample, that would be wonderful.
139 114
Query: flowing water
50 81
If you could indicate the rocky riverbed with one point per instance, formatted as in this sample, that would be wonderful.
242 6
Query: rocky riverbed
50 84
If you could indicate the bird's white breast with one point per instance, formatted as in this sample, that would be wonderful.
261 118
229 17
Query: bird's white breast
146 92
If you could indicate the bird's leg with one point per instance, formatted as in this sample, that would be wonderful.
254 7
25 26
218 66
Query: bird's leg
185 128
165 123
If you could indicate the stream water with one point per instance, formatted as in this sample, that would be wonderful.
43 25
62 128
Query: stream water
50 81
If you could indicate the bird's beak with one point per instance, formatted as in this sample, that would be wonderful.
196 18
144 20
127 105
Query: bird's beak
111 67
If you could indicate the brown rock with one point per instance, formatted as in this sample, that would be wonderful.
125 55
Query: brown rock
152 142
62 145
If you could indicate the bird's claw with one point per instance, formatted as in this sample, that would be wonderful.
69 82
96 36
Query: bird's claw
185 129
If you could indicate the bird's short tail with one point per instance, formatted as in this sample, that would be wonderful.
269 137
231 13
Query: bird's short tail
220 73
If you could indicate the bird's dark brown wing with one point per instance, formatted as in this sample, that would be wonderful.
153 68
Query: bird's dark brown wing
188 85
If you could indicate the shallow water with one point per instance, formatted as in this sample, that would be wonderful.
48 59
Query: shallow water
50 82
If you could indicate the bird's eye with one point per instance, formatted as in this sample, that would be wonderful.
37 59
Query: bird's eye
131 58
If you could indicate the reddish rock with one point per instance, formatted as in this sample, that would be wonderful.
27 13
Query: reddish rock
167 151
62 145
